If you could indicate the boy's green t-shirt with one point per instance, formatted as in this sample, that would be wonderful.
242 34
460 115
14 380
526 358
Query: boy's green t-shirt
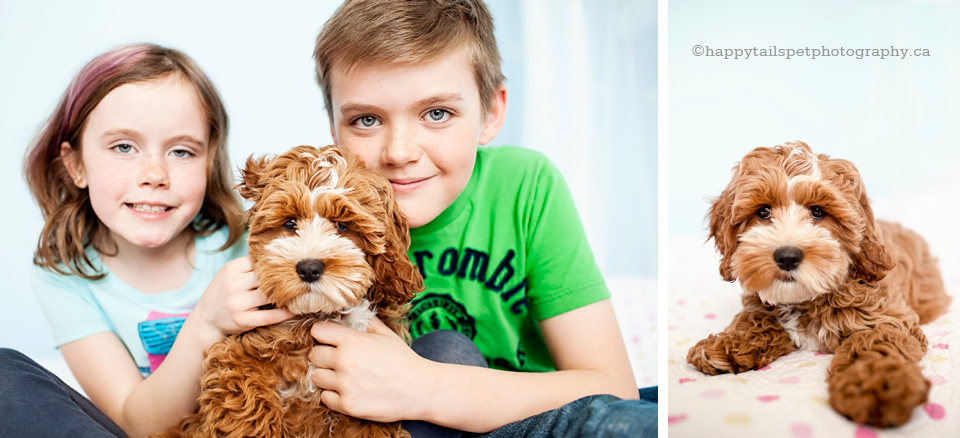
510 251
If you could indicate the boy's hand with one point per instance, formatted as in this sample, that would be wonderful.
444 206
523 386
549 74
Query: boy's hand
366 375
231 302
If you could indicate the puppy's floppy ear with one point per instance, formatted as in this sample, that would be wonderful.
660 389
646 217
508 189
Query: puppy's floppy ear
871 262
251 186
722 230
397 279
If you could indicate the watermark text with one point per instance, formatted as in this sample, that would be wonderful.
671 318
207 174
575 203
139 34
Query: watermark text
807 52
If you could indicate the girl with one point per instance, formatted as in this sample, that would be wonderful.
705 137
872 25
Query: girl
142 229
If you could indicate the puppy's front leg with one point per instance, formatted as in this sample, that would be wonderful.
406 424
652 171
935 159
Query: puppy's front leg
751 341
875 377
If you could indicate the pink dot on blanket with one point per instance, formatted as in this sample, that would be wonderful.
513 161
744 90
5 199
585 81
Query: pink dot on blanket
687 379
801 430
937 380
942 346
671 419
768 398
863 432
790 380
710 316
767 367
680 302
935 411
820 353
715 393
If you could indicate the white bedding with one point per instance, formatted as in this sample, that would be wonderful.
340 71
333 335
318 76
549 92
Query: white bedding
634 301
789 398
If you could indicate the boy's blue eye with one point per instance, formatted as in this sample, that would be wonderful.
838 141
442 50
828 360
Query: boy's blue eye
368 121
437 114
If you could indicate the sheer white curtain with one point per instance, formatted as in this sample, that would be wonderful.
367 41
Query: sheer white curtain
586 97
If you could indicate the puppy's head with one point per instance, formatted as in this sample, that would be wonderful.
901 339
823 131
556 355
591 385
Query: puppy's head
792 225
325 232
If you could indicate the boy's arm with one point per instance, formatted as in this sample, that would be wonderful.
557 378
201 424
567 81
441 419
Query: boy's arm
589 339
376 376
588 351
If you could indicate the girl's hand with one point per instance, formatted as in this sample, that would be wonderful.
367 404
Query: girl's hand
367 375
231 302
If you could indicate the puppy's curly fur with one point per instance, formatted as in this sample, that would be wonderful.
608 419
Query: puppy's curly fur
818 272
327 241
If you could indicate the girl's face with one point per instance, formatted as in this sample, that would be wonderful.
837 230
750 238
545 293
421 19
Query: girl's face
144 160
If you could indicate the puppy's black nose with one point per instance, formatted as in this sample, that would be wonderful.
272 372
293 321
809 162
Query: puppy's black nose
309 270
788 257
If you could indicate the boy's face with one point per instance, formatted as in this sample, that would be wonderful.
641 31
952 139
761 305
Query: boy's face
417 124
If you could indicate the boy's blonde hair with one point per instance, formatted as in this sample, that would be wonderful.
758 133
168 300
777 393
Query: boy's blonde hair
388 31
70 222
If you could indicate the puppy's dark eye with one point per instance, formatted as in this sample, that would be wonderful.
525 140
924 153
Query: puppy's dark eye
764 212
342 227
290 224
817 212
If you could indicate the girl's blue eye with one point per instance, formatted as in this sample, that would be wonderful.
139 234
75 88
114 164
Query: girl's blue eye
181 153
123 148
437 114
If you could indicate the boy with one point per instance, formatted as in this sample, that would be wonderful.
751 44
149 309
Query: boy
413 88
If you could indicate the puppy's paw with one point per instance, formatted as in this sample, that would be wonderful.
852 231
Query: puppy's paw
723 353
881 391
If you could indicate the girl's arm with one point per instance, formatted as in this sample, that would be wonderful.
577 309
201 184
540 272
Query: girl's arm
376 376
140 406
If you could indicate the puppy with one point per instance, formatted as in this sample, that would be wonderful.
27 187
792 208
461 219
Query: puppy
819 273
327 242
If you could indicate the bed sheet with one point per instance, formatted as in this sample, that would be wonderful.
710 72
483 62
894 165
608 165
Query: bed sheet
788 398
634 301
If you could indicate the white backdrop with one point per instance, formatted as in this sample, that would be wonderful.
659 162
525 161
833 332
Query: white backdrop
581 80
895 119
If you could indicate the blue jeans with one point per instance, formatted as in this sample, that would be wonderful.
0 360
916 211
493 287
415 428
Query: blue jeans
594 416
36 403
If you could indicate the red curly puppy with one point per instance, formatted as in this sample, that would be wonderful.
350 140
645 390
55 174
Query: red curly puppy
328 242
819 273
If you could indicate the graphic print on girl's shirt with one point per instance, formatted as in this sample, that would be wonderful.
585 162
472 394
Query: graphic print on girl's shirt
157 334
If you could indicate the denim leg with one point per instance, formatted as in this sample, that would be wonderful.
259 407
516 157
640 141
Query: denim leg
600 416
36 403
648 394
449 346
445 346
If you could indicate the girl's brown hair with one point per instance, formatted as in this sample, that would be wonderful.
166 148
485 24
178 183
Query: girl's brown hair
388 31
70 222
